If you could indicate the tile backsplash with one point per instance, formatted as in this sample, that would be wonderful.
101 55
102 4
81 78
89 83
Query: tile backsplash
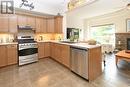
44 37
6 38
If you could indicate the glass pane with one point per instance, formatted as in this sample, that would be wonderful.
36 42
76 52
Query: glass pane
104 34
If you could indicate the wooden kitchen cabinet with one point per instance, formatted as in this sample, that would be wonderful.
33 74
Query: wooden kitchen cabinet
22 20
41 48
3 56
12 54
58 24
44 25
50 25
4 24
61 53
31 21
52 48
65 55
58 52
95 63
47 49
13 24
55 51
40 25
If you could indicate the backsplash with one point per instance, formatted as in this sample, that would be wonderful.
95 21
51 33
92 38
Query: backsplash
44 37
6 38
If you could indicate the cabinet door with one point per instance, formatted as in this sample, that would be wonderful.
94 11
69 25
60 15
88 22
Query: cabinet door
50 25
58 53
31 21
44 25
58 24
41 53
47 49
65 55
39 25
12 54
4 24
3 56
22 20
13 24
52 50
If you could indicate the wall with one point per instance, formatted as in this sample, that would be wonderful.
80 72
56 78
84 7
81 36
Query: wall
118 18
72 21
40 6
5 38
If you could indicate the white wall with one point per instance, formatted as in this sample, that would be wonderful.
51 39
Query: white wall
40 6
118 18
72 21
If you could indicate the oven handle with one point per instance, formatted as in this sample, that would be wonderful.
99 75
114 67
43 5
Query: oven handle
28 48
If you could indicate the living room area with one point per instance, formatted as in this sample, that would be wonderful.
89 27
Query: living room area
112 31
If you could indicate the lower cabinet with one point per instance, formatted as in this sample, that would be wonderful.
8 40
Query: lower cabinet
12 54
40 50
8 55
3 56
58 52
61 53
47 49
43 49
65 55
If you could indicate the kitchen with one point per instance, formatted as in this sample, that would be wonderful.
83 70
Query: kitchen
35 52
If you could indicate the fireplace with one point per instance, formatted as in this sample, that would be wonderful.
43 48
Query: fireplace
128 43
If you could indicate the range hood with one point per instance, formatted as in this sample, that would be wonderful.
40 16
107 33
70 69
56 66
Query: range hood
26 27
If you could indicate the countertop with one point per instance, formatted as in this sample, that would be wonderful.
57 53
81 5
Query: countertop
9 43
77 44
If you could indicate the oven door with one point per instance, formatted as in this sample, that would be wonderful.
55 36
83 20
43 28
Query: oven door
28 55
28 51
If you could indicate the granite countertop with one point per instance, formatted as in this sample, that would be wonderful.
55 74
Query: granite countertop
9 43
76 44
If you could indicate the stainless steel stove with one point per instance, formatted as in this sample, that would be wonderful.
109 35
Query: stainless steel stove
28 50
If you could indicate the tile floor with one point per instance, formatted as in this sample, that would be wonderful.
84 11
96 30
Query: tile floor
48 73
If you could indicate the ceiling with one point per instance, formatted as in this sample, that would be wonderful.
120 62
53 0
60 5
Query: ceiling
46 6
99 7
59 6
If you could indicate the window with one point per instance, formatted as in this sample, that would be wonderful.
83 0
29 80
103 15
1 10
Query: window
104 34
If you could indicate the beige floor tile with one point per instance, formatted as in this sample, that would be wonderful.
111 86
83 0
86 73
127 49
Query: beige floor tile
48 73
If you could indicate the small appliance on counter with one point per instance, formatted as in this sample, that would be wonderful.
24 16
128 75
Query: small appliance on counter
27 47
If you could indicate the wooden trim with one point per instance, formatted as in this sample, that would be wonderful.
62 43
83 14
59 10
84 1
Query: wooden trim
102 25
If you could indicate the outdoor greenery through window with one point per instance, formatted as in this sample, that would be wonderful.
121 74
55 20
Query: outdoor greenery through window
104 34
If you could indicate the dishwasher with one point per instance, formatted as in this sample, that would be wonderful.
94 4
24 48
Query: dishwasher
79 61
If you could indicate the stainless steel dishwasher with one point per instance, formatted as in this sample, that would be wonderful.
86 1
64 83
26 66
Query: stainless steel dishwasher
79 61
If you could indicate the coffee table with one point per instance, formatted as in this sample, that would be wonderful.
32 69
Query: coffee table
122 55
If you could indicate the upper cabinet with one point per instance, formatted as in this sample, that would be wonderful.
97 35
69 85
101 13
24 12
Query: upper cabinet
22 20
31 21
40 25
50 25
8 23
4 23
13 24
58 24
44 25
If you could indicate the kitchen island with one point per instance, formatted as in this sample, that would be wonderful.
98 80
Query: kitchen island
61 52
